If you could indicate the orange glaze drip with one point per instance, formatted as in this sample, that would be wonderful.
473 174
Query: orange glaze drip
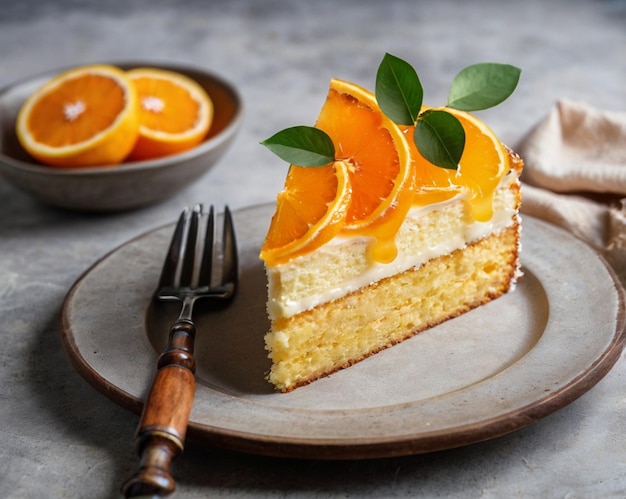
383 230
479 174
433 184
481 207
483 163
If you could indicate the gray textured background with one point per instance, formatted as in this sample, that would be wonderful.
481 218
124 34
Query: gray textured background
60 438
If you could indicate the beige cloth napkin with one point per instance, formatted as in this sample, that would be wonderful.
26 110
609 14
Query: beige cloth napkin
575 176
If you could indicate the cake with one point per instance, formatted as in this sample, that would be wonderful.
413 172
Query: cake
448 242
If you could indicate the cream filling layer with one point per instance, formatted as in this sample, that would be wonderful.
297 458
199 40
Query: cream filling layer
341 266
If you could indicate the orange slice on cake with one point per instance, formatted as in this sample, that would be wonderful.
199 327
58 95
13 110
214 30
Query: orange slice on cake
482 165
366 190
310 210
85 116
175 113
379 159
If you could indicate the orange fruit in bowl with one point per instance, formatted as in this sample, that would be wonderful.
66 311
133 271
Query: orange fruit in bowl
367 190
175 113
484 161
85 116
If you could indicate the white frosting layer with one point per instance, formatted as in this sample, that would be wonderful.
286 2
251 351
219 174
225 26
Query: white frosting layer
340 266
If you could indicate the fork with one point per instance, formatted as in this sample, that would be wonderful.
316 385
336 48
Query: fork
198 265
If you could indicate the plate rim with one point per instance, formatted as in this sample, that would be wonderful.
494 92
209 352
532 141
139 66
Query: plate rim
367 447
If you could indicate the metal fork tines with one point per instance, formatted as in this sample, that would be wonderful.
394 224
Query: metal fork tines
201 264
192 268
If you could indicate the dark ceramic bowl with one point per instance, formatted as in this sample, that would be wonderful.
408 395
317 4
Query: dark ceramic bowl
128 185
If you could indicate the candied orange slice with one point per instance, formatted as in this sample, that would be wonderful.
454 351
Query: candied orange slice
482 165
310 211
85 116
379 159
367 190
175 113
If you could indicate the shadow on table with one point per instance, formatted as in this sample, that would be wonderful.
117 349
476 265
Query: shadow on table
91 434
438 474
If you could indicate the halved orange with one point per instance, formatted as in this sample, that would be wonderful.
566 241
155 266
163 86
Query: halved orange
374 155
482 165
310 211
85 116
175 113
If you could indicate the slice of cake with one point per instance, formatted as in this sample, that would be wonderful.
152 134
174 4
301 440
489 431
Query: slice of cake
379 244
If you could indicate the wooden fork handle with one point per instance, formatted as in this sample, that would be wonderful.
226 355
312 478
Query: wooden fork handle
161 432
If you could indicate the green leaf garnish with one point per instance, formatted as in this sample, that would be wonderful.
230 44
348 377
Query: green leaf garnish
482 86
398 90
302 146
440 138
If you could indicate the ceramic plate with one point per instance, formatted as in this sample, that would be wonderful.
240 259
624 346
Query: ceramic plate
491 371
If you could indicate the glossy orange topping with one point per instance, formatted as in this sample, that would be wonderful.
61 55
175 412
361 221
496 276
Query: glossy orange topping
483 163
387 175
377 157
